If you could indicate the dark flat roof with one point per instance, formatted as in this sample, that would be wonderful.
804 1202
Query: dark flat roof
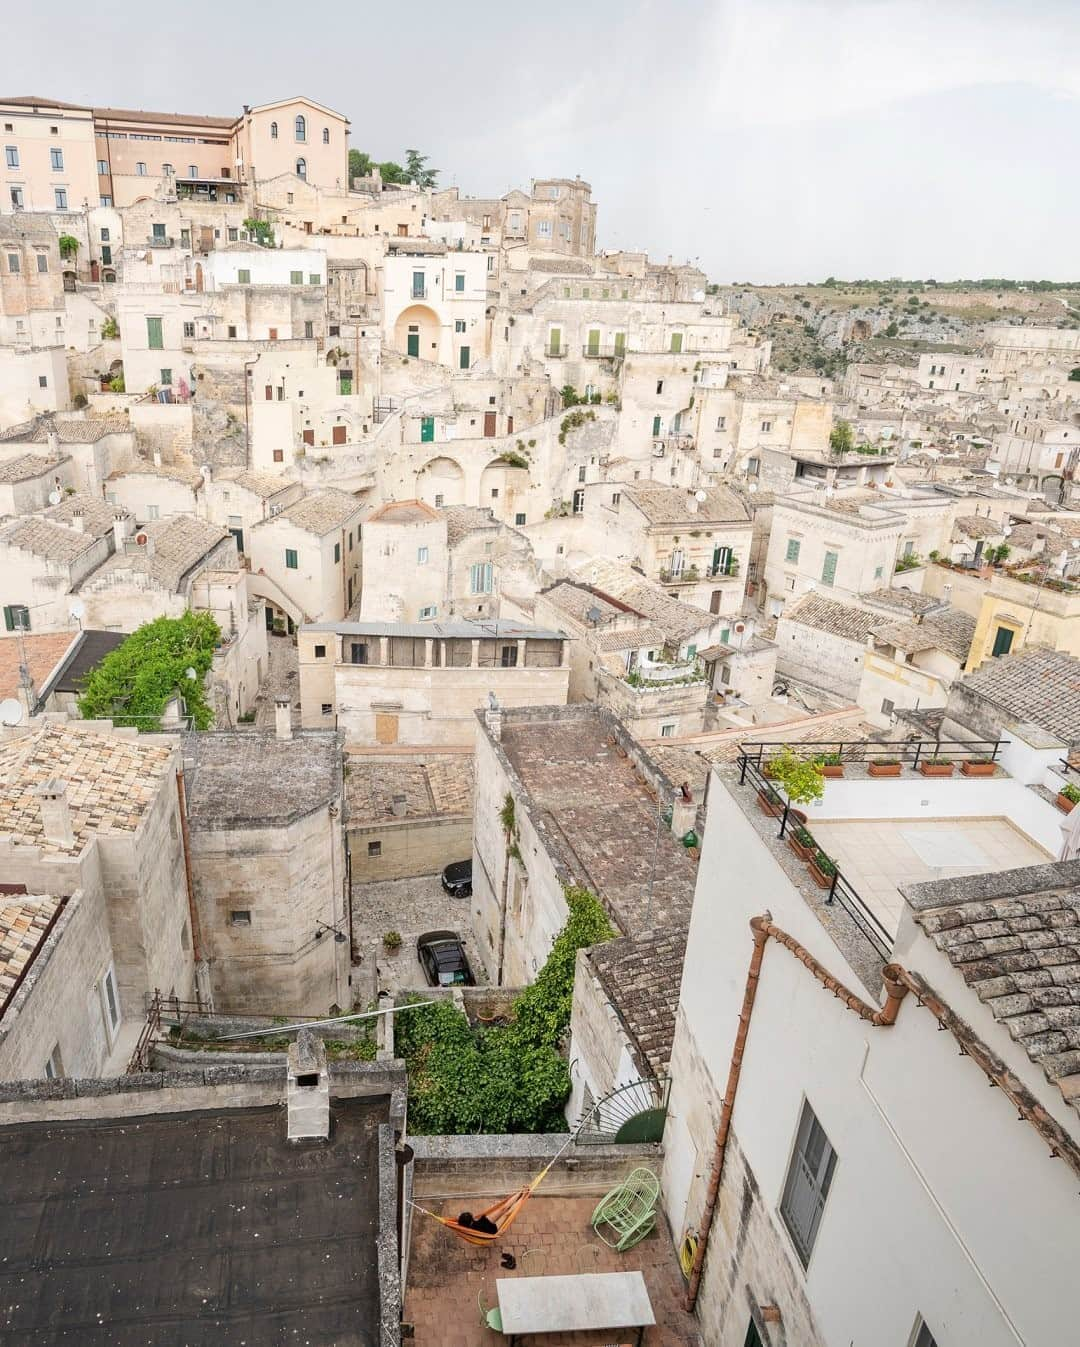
91 649
190 1228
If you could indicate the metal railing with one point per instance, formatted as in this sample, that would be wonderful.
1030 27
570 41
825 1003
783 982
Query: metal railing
603 350
908 752
160 240
729 572
420 293
177 1013
555 352
839 889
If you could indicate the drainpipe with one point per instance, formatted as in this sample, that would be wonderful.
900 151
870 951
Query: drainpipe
762 928
193 912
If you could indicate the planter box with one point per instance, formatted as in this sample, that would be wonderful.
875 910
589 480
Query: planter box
803 853
833 771
936 769
978 768
822 881
1064 803
884 768
767 806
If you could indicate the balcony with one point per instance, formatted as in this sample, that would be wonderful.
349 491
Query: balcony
604 351
689 575
419 292
555 352
161 241
728 572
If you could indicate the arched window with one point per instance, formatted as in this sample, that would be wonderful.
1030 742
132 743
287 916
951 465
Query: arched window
326 135
273 130
301 168
301 129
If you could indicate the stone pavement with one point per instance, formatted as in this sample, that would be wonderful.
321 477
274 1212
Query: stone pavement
410 907
282 680
551 1237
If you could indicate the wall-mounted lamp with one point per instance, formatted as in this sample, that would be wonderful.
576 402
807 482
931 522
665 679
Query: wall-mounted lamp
339 935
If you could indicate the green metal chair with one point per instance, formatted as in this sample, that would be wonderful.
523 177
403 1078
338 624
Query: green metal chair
489 1318
628 1212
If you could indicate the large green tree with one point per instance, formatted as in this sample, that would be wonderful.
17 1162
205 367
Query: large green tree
842 438
360 164
417 171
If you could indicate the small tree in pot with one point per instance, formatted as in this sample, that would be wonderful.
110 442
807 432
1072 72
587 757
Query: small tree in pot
800 778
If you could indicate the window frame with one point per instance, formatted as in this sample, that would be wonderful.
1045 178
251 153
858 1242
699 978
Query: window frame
816 1185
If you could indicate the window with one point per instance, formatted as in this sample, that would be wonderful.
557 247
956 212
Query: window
189 329
42 262
459 324
459 281
102 167
480 577
337 552
60 197
105 200
508 657
105 236
543 229
491 262
828 569
296 278
110 1002
154 338
1003 639
879 571
327 708
753 467
374 848
56 160
279 455
721 423
887 706
581 473
273 130
676 343
54 1067
152 512
300 128
659 387
301 168
16 198
421 556
16 617
168 168
766 426
463 357
291 561
793 548
234 235
11 156
579 501
358 652
166 378
809 1177
668 731
519 519
43 381
440 500
921 1335
426 614
193 170
326 135
240 917
140 169
313 279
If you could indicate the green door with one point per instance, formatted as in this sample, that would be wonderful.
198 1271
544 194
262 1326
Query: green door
555 341
676 343
463 359
828 571
594 341
1003 641
153 334
414 343
620 343
427 429
656 425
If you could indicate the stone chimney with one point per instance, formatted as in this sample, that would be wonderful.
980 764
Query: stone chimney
157 458
119 530
283 717
56 813
52 439
493 717
78 521
691 503
307 1089
398 806
683 811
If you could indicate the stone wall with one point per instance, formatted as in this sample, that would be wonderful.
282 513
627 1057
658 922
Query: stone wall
819 658
409 847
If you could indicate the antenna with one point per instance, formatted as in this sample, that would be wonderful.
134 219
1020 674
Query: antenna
77 610
11 711
55 497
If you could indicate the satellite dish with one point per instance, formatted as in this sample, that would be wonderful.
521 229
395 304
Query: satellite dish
141 539
11 711
593 616
55 497
701 496
77 609
206 470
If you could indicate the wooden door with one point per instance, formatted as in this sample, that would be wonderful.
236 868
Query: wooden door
386 728
714 601
489 425
509 425
339 434
309 437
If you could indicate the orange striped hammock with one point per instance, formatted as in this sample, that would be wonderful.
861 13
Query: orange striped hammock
502 1214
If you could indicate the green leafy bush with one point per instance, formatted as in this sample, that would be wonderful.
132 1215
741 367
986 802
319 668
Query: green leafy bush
1071 792
800 778
504 1078
135 682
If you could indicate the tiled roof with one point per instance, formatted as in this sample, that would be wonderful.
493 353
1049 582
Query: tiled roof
630 638
241 779
26 467
98 515
951 631
44 651
43 538
111 781
1014 937
164 118
442 786
69 431
322 511
903 600
1041 687
264 484
977 526
24 921
677 620
402 512
642 977
838 619
179 544
174 472
29 101
578 600
674 505
461 520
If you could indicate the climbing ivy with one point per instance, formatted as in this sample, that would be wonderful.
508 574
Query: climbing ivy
135 682
510 1077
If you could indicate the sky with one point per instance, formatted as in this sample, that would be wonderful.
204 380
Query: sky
765 140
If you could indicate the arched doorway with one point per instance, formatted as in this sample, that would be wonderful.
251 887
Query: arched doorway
441 481
416 332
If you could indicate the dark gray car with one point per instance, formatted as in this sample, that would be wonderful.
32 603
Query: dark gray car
442 957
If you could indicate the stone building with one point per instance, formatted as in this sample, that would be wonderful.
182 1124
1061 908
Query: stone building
32 309
305 559
405 563
97 445
407 816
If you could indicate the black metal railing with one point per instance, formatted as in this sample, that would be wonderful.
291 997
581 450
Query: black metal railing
555 351
839 889
730 571
603 351
909 752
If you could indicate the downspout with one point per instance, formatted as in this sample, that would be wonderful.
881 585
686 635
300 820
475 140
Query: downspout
193 913
502 912
762 928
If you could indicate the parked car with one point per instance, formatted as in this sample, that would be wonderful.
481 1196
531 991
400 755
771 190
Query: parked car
457 879
443 960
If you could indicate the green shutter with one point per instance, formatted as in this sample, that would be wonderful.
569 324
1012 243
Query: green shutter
427 429
296 278
1002 641
463 359
337 551
153 334
413 343
676 343
656 425
793 546
459 281
594 341
828 571
291 562
243 276
555 340
620 343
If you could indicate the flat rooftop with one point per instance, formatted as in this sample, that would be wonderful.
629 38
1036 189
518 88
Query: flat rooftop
194 1228
240 779
504 629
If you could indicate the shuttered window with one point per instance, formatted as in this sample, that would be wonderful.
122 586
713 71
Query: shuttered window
828 570
808 1181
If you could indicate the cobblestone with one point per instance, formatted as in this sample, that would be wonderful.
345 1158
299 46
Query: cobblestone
410 907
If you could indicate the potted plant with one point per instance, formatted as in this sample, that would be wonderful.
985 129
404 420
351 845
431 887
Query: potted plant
802 843
800 778
978 767
769 801
884 767
392 942
822 868
936 767
1068 797
831 764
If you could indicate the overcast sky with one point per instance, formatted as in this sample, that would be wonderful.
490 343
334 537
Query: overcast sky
770 140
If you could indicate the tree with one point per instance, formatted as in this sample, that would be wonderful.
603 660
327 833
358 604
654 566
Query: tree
360 164
892 330
391 172
417 171
842 438
69 245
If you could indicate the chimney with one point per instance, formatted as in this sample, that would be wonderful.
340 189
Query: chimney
493 717
683 812
283 717
397 806
119 530
691 503
157 458
307 1089
53 441
56 813
78 521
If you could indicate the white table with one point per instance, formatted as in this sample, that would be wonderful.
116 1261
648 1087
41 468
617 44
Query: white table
568 1304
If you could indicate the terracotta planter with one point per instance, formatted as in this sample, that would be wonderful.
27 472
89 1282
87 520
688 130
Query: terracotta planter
936 769
803 853
1064 803
767 806
884 768
836 770
978 768
822 881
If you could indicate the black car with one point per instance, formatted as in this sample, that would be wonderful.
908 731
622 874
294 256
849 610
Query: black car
457 879
443 960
